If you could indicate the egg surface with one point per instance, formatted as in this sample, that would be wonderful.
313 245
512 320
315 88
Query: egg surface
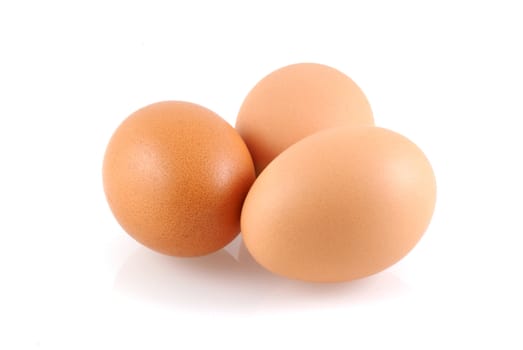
296 101
175 175
339 205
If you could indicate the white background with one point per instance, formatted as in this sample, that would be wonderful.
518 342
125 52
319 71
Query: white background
447 74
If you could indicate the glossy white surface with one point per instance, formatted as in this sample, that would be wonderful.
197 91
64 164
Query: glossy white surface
448 76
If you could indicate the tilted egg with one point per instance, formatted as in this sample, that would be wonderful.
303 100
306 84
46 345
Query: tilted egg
341 204
175 175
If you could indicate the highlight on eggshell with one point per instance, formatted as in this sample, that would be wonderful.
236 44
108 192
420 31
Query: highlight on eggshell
175 175
297 101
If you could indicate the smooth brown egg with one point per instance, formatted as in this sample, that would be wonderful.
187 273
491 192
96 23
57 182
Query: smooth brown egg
341 204
296 101
175 175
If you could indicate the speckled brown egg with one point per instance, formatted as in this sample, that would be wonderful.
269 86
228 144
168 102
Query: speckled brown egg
296 101
342 204
175 175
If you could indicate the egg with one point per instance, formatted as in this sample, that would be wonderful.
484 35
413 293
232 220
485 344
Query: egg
175 176
339 205
294 102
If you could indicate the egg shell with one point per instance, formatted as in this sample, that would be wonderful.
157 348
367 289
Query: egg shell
175 175
294 102
339 205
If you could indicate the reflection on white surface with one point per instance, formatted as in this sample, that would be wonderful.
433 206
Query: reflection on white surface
231 281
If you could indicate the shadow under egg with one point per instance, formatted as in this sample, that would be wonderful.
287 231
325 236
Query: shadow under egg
217 281
229 280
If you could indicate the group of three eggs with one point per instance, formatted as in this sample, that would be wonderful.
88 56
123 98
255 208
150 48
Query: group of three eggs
318 192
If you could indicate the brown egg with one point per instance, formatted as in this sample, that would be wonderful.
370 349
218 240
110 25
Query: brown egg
175 175
339 205
294 102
